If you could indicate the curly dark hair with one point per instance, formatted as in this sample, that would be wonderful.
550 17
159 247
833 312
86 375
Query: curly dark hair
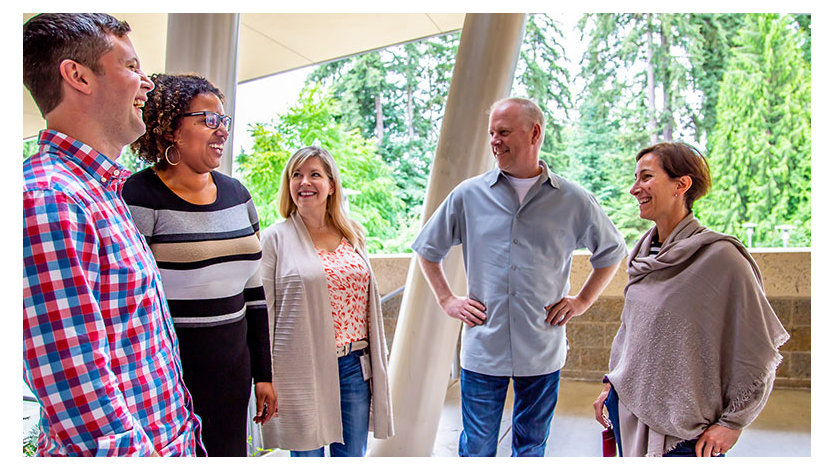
163 113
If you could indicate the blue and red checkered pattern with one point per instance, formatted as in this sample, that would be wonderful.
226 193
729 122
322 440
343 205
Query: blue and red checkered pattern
99 348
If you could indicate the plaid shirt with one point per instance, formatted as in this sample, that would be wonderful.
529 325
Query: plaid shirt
99 348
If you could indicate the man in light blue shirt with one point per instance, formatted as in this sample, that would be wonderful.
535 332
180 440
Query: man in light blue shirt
518 225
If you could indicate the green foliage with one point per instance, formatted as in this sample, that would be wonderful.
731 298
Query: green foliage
396 97
735 85
760 149
131 161
542 75
30 441
645 77
311 121
29 148
663 68
709 52
681 60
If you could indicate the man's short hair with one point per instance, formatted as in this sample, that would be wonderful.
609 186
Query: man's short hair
530 109
50 38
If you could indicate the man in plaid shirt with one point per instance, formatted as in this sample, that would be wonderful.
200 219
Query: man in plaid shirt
99 348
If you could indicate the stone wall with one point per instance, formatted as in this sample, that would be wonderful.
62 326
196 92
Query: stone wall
787 280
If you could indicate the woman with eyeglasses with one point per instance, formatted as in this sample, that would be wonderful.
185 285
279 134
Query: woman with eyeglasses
203 230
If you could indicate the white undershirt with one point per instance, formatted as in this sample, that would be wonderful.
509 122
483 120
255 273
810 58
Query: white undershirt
522 185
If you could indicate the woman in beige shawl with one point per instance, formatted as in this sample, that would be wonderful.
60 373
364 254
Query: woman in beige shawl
696 354
329 358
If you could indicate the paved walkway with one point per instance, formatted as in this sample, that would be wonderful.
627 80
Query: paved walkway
783 428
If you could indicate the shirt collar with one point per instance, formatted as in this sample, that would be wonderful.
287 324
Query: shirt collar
98 165
545 175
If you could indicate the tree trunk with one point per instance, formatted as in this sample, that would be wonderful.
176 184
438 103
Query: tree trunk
409 111
380 130
650 82
666 78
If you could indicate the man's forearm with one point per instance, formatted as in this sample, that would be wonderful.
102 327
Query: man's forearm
596 283
436 278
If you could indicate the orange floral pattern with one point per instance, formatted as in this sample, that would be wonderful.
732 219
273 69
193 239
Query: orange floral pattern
347 281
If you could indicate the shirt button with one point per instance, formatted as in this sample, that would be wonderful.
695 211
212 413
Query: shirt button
103 179
513 267
116 173
515 241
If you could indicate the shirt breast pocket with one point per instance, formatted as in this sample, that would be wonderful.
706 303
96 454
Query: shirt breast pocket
126 265
553 248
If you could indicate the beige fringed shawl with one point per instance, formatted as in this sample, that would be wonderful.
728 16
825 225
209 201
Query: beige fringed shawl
698 342
305 369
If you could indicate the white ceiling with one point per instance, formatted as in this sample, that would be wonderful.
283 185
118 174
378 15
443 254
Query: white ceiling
271 43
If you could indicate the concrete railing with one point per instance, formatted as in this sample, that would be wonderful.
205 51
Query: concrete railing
787 280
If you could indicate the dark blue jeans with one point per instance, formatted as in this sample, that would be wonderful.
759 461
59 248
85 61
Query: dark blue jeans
482 403
356 409
684 449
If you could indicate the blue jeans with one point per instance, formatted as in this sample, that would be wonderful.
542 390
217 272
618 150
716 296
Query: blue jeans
612 403
482 403
356 408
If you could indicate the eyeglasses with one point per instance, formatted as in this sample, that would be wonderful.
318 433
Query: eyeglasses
213 120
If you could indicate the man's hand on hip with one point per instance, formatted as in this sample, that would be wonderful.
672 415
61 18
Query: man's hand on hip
467 310
565 309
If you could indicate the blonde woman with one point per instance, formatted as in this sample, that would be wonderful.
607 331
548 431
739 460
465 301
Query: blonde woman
325 322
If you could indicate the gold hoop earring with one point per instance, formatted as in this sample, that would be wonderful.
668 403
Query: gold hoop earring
168 159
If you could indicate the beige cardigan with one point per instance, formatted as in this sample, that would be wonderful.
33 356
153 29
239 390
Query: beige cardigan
305 371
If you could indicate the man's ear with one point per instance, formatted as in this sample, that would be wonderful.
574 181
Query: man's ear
537 133
76 75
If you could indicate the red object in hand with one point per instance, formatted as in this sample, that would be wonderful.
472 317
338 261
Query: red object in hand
609 443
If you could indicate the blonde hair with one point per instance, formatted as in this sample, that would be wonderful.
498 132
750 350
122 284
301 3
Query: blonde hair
336 212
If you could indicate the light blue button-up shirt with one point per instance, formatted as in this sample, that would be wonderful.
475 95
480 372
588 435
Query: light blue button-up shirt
517 259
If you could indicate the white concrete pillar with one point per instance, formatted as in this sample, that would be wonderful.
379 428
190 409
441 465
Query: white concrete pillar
424 343
207 44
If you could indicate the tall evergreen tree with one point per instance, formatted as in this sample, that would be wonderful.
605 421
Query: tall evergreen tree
709 53
396 96
647 77
542 75
761 147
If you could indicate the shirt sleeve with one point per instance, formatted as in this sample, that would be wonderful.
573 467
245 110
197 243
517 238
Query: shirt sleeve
601 237
441 232
66 351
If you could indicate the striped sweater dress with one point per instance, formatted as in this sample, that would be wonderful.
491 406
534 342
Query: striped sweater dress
209 258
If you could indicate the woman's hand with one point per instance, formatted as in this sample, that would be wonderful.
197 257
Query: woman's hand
599 403
716 440
265 398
